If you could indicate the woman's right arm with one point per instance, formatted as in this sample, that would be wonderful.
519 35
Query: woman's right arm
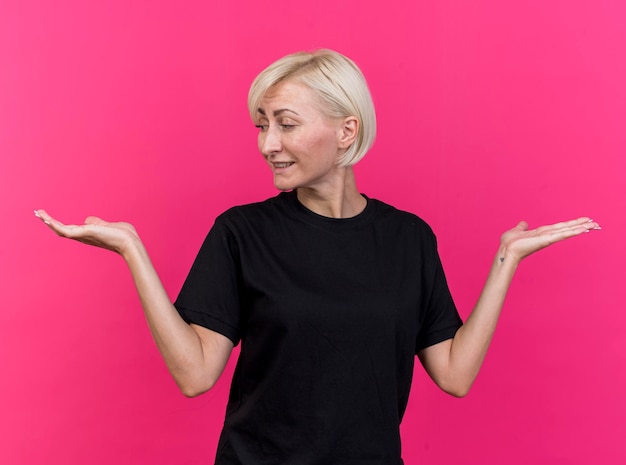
194 355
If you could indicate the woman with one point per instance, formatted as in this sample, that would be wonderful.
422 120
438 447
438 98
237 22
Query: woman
330 293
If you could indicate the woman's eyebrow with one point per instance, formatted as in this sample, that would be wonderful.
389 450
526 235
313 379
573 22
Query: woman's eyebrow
277 112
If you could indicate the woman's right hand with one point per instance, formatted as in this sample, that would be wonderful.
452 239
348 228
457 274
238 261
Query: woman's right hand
195 356
117 236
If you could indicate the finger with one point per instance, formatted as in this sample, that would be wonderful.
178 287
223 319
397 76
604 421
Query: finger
48 220
63 230
571 223
580 225
576 227
572 231
43 216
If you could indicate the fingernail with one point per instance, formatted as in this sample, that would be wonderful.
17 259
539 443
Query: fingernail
37 214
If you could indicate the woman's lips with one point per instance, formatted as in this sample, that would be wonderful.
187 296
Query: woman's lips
281 166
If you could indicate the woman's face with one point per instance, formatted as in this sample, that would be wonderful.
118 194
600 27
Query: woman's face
300 143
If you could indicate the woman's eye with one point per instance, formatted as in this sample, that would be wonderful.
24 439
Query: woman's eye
283 126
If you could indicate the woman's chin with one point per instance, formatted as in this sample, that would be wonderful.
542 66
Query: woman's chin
281 185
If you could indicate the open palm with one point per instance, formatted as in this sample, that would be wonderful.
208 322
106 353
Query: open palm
95 231
520 241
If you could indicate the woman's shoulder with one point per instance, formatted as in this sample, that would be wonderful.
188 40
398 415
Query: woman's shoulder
391 213
253 212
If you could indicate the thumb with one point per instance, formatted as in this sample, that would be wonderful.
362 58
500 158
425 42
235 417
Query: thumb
94 220
522 226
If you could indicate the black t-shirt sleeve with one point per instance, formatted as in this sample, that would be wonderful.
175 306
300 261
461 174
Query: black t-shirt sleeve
441 319
211 294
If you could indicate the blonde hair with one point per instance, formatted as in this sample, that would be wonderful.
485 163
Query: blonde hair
338 83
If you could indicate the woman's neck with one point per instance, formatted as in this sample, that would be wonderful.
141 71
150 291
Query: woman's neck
341 199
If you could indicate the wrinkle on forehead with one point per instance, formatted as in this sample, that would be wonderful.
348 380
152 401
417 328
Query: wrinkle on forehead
292 90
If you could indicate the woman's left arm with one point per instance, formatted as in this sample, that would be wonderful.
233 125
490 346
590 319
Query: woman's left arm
454 364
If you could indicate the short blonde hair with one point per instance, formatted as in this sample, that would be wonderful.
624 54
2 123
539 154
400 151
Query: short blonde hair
339 84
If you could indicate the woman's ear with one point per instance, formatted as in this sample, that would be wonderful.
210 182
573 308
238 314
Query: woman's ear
348 131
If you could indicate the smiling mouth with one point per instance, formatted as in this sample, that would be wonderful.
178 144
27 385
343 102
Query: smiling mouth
283 164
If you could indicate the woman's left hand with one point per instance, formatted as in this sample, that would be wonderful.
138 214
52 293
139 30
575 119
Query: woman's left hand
520 241
454 364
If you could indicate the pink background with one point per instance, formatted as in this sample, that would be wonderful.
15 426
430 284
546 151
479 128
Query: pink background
489 112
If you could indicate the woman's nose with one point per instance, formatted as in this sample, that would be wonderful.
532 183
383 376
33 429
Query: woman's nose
269 141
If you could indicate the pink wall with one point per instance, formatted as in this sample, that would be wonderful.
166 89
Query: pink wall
489 112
